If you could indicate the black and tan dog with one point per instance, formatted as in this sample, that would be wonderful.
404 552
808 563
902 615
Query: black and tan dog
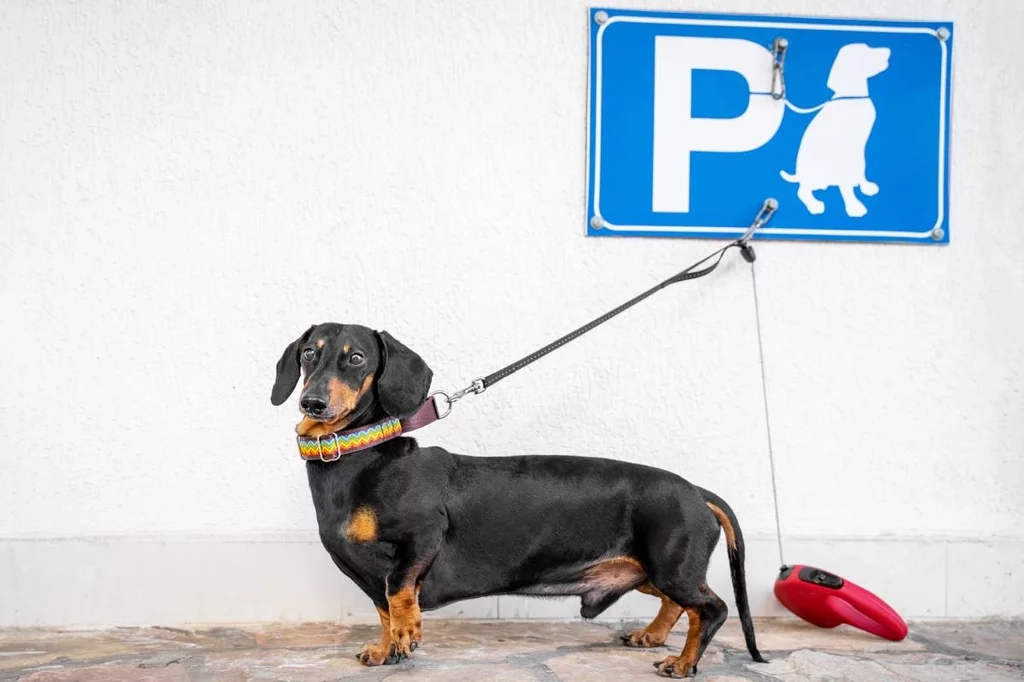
416 528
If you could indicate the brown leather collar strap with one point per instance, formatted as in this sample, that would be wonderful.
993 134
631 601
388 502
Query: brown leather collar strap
331 447
426 415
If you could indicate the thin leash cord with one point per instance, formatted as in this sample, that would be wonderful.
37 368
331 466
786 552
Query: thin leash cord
810 110
767 420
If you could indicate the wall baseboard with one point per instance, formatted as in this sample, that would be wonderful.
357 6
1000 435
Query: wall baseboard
289 577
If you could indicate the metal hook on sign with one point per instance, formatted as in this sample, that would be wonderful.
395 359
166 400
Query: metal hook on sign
778 65
768 209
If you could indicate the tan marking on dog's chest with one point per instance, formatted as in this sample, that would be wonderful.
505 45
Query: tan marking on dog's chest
362 526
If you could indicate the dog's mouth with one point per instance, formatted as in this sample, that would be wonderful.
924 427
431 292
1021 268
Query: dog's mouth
324 418
323 424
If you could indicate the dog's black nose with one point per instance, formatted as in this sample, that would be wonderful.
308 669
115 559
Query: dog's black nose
313 405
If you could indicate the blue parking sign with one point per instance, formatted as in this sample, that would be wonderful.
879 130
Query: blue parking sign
696 119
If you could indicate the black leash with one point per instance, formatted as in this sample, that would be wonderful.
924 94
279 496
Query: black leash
707 265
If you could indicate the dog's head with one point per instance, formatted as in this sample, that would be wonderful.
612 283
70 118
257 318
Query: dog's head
351 373
854 65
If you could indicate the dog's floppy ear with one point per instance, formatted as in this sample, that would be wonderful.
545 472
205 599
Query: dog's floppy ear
848 69
288 370
404 378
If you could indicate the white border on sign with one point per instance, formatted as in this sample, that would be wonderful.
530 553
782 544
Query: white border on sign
786 231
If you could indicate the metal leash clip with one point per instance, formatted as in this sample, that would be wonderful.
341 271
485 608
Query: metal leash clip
768 209
778 64
476 387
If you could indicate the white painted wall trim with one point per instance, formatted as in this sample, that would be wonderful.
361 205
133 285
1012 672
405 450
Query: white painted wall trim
168 580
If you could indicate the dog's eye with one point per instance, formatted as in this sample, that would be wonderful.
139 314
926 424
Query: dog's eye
308 355
356 359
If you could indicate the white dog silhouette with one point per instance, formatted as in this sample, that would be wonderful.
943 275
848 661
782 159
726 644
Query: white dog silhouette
832 149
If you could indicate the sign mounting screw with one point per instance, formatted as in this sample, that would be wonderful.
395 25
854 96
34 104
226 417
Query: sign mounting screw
938 233
942 33
600 16
597 222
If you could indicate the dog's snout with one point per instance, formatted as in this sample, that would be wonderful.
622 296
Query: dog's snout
313 405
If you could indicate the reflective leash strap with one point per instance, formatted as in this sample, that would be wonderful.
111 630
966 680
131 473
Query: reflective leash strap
686 274
764 215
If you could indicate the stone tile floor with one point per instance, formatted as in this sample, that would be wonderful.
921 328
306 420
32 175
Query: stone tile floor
508 650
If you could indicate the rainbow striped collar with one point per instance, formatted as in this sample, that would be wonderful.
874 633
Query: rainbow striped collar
332 447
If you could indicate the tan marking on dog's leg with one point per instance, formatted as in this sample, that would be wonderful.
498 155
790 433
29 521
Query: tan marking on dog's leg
657 630
406 621
362 526
685 662
730 533
692 645
376 654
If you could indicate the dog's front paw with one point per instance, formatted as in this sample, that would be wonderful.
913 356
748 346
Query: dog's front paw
643 638
406 635
868 188
376 654
673 666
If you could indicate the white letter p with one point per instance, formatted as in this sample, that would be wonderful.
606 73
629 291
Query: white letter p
677 133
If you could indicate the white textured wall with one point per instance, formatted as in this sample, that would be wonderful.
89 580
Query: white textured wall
185 187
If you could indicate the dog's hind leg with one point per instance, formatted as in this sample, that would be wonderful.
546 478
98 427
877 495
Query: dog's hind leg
657 630
813 204
714 618
685 585
706 613
868 188
854 208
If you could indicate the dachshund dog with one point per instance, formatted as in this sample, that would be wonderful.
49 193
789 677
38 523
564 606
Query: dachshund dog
419 527
831 151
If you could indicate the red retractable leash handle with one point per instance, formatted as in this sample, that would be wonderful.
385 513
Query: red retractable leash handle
826 600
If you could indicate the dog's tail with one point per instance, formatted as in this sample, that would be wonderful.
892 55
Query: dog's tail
788 177
734 544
